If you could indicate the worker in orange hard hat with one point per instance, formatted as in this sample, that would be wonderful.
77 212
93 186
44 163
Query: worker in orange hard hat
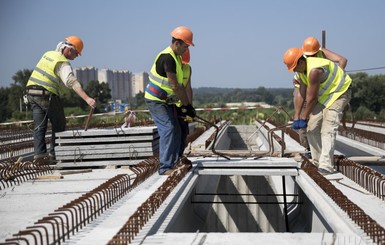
184 34
164 90
312 48
326 97
76 42
44 88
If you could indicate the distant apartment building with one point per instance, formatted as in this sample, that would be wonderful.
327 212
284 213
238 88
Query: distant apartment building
119 82
86 74
138 82
123 84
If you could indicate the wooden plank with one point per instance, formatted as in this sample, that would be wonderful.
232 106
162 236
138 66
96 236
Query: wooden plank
49 177
75 171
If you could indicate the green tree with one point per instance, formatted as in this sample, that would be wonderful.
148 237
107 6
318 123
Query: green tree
138 101
101 92
21 77
5 112
368 91
71 99
17 90
363 113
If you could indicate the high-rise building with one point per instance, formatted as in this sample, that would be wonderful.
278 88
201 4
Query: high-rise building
138 83
86 74
119 81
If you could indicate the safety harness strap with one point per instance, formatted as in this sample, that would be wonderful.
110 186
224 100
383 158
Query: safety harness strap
156 91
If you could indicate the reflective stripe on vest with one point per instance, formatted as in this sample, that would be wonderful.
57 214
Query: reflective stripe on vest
334 85
156 91
44 72
159 80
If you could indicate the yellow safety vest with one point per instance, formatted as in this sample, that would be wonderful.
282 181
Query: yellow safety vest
44 72
301 76
186 75
162 82
335 81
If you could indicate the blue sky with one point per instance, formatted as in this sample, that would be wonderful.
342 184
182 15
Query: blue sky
238 44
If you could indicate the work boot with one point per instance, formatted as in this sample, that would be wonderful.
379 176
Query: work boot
308 154
184 160
325 171
40 156
52 159
167 172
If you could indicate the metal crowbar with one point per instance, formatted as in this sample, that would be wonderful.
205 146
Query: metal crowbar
215 136
89 118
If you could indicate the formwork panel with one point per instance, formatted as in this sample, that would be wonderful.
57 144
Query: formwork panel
106 145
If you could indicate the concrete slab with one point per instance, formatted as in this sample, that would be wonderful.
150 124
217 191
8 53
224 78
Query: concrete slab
23 205
251 238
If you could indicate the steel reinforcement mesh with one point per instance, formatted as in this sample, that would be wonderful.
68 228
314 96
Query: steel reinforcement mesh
366 223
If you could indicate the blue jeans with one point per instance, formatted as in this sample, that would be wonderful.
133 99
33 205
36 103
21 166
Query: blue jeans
46 108
166 120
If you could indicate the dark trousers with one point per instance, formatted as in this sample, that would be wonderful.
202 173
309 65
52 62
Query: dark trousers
184 130
46 108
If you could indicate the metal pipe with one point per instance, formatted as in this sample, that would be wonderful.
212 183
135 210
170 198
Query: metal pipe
323 39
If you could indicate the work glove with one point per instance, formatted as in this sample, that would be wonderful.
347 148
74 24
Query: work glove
295 124
189 110
302 123
299 123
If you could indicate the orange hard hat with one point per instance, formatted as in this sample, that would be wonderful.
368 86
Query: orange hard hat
186 57
76 42
291 58
184 34
310 46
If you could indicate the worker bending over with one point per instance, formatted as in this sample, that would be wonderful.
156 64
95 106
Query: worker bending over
326 88
312 48
44 88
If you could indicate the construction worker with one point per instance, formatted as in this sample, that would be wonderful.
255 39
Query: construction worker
183 120
162 93
43 91
326 88
312 48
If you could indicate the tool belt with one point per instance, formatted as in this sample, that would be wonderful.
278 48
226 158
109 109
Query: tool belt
159 93
38 91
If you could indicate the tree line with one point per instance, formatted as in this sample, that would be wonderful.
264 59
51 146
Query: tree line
367 103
